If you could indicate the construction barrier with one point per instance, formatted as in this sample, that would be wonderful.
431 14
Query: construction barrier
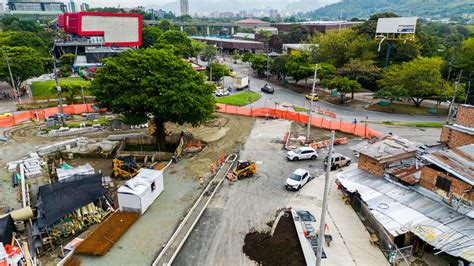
357 129
43 113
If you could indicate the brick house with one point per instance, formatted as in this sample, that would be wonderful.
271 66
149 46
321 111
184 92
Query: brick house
461 132
376 155
450 174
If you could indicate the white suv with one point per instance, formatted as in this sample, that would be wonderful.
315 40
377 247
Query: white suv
302 153
297 179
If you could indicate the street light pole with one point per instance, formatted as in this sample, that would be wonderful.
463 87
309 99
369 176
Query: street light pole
456 86
58 88
311 101
268 62
11 75
322 220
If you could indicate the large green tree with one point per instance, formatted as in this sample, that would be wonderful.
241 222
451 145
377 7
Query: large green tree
259 63
177 39
359 69
26 39
24 62
165 25
150 36
419 79
71 89
343 85
299 67
278 66
150 82
465 57
208 53
218 71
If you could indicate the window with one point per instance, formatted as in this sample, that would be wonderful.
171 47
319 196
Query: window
443 183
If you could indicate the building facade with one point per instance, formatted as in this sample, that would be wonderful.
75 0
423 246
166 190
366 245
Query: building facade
184 4
461 132
36 6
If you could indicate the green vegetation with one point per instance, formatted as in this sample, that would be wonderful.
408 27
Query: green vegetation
103 121
239 99
42 89
169 90
408 109
300 109
415 124
423 8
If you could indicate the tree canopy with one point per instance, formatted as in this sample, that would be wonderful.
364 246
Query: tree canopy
177 39
151 82
419 79
25 63
150 36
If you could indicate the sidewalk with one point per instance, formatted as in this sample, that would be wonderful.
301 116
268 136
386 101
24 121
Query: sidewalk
350 245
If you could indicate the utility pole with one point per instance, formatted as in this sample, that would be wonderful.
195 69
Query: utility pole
210 76
11 75
468 89
456 86
83 97
322 221
311 101
268 62
58 88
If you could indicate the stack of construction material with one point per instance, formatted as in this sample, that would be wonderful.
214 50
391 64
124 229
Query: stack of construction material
49 149
32 167
65 173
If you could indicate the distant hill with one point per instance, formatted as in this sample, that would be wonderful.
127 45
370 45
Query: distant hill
421 8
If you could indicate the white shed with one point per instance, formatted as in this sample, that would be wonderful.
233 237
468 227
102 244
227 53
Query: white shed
141 191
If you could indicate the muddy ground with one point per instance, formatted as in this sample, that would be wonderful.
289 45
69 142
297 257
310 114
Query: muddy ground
283 248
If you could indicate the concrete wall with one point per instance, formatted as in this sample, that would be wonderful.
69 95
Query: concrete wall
465 116
458 187
371 165
455 138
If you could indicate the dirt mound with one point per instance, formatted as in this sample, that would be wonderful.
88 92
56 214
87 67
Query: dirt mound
281 249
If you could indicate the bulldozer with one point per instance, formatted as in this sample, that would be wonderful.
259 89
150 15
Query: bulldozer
242 170
124 167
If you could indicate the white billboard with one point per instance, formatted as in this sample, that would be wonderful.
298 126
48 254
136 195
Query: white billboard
402 25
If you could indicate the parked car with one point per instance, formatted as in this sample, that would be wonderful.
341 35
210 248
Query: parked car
57 117
338 161
297 179
315 97
302 153
222 92
267 89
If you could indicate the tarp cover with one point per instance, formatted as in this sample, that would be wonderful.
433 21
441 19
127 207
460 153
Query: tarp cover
58 199
6 229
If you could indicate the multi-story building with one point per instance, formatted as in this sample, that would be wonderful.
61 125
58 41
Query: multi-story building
71 7
273 13
184 4
37 7
84 7
461 132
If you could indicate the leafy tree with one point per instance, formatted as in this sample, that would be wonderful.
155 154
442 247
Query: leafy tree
333 46
297 34
356 69
259 63
197 47
25 63
344 85
177 39
391 94
247 57
191 30
184 18
67 59
465 57
163 86
208 53
278 66
218 71
165 25
325 70
11 23
26 39
150 36
71 89
299 68
419 79
235 56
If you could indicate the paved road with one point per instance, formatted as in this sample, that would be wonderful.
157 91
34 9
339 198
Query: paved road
285 96
250 203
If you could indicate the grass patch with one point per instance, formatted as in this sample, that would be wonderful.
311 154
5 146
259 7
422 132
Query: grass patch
239 99
103 121
415 124
40 89
407 109
300 109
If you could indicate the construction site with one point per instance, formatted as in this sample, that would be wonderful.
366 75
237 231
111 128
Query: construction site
214 194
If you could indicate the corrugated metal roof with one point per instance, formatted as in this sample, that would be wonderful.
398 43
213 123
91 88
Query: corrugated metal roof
457 161
399 210
387 147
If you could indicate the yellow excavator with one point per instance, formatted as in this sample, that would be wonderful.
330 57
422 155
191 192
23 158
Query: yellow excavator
242 170
124 167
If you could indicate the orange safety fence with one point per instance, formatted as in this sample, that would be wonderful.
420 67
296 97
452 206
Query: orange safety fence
43 113
348 127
